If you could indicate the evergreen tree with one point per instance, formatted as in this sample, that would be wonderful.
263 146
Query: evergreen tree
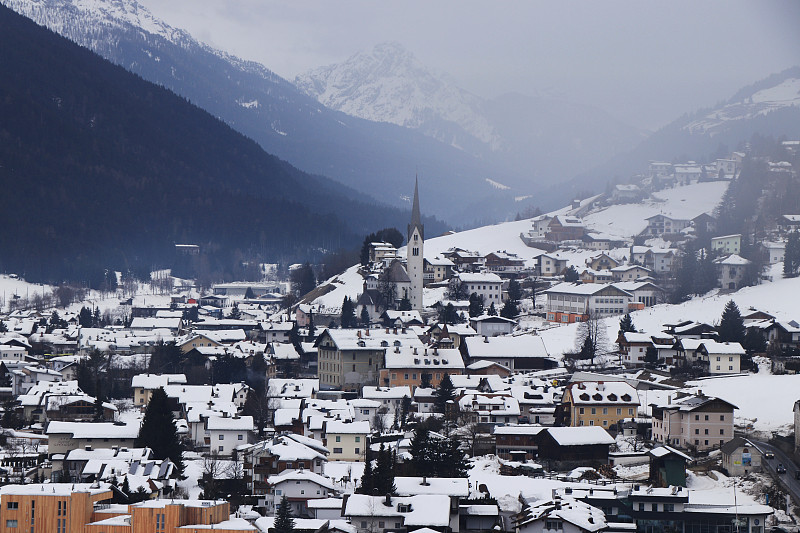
365 320
626 324
421 460
475 305
705 277
731 325
158 431
284 523
754 341
514 291
651 357
303 280
791 256
384 472
312 331
509 310
235 314
85 317
348 313
166 358
444 393
405 304
11 418
368 477
405 408
571 274
448 314
492 310
425 380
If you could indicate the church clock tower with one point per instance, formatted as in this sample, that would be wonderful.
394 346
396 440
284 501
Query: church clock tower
415 265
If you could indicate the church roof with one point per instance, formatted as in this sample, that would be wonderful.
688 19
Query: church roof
416 218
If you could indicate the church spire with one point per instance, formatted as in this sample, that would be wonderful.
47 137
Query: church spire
416 219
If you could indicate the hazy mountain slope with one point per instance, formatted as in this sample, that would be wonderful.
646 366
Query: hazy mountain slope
101 169
770 107
539 139
375 158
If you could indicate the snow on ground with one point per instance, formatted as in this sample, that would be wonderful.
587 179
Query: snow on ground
193 472
345 474
13 285
348 283
769 297
748 393
506 489
628 220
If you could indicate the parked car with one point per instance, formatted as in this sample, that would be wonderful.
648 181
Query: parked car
780 469
769 455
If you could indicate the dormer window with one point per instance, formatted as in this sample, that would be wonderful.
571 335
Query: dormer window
597 397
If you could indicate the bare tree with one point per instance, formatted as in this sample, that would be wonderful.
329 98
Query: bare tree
591 338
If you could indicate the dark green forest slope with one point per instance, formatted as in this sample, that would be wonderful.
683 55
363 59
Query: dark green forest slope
101 169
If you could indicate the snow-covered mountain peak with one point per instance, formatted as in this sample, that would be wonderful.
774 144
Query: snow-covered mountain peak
56 14
389 84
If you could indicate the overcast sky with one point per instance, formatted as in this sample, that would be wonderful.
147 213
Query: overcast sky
645 62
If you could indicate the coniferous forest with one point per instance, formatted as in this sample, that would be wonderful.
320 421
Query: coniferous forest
103 170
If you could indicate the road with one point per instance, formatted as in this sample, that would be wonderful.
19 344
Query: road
789 481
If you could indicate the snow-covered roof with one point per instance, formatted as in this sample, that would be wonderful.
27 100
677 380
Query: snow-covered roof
50 489
155 381
580 436
713 347
449 486
386 393
525 429
370 339
582 515
732 259
423 510
233 423
301 475
408 357
341 427
506 346
467 277
603 392
94 430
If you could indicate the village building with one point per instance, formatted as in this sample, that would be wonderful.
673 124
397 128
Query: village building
406 366
598 403
575 302
693 422
727 244
740 457
524 352
730 271
438 269
485 285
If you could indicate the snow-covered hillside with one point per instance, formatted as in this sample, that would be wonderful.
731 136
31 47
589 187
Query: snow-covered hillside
762 102
388 84
625 220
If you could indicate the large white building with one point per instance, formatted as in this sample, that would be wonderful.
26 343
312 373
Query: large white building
487 286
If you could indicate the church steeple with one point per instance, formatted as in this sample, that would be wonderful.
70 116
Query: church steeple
416 218
415 262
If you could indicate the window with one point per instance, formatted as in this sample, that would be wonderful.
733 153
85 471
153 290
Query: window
221 448
363 524
641 507
605 410
580 410
357 450
381 523
697 431
706 417
337 450
655 507
619 411
338 438
556 525
277 492
721 431
697 417
722 418
12 505
11 523
594 411
706 431
358 439
240 437
222 437
669 507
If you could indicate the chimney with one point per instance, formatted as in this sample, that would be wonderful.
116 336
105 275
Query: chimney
358 334
366 332
485 339
415 350
394 331
387 331
388 501
426 351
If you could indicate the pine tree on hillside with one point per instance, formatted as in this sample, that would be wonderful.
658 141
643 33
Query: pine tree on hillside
626 324
284 523
731 326
509 310
348 313
235 314
421 460
367 478
158 431
475 305
444 393
791 256
365 320
384 472
492 310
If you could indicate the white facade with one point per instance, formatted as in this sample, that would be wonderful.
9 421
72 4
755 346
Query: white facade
487 286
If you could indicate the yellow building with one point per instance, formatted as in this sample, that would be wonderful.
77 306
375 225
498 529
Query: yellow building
598 403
